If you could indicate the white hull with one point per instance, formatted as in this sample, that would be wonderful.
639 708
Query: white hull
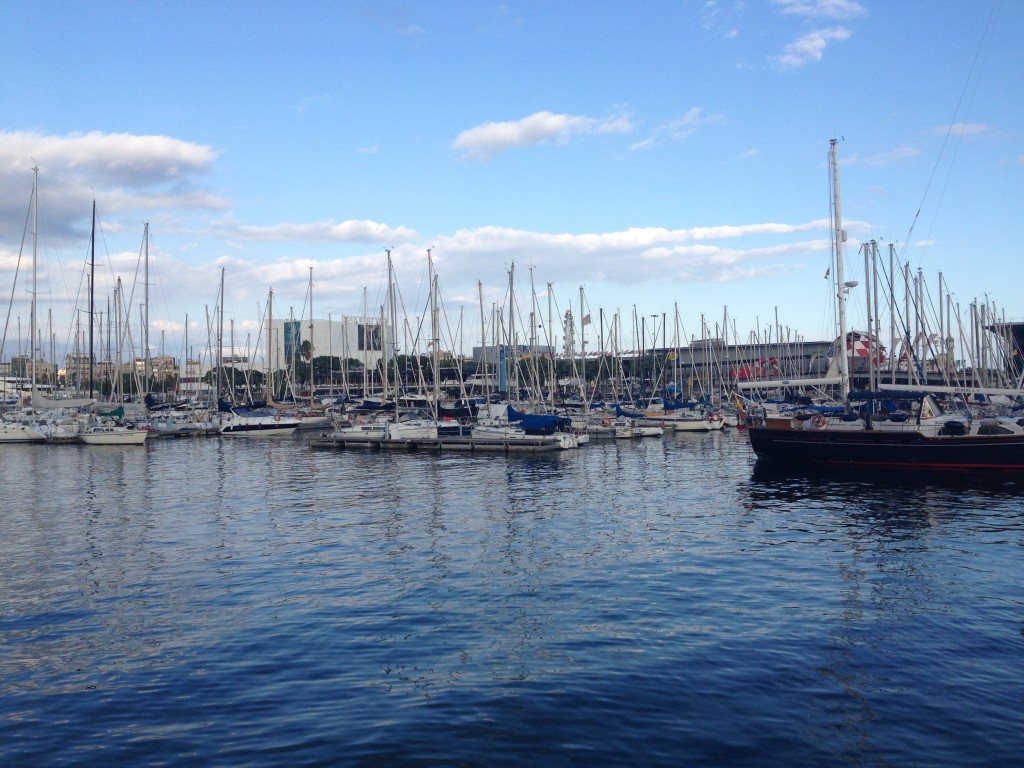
627 429
417 429
20 433
114 437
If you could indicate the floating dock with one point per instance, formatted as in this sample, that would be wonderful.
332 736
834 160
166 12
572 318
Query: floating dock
540 444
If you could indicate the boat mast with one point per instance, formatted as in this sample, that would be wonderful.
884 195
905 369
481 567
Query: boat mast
483 341
92 292
220 341
145 323
840 237
552 381
510 355
583 349
435 333
268 385
392 317
35 241
312 379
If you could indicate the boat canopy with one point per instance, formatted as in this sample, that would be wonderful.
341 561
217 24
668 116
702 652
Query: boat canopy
533 423
622 413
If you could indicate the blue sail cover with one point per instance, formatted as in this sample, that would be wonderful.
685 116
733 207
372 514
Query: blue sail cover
624 414
538 423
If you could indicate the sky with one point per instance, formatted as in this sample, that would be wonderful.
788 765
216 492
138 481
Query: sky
670 159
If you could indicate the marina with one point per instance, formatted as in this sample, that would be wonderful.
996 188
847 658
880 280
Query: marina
512 385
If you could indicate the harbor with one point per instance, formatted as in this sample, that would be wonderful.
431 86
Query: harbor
504 385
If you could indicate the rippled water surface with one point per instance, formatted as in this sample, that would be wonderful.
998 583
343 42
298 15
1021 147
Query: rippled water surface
662 602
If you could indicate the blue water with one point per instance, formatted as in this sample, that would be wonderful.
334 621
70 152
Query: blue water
661 602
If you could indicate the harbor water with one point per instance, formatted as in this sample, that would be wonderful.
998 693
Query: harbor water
238 602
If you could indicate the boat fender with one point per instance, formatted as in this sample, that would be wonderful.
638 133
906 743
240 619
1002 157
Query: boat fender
277 418
818 420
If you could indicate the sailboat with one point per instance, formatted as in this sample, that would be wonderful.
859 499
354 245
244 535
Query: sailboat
106 428
922 433
16 428
247 421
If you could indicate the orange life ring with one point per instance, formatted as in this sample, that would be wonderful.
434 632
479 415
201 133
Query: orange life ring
818 420
714 417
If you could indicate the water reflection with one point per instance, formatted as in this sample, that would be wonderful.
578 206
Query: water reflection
884 533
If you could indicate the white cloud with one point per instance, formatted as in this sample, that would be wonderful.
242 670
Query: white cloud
628 257
351 231
116 158
810 47
125 172
487 141
885 158
963 129
693 120
832 9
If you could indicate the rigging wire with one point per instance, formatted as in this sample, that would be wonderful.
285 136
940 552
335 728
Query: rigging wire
961 127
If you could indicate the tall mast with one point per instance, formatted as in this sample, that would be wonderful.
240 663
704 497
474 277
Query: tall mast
35 241
367 342
583 349
435 333
510 354
220 340
392 317
145 321
840 238
483 339
312 381
268 386
552 382
92 292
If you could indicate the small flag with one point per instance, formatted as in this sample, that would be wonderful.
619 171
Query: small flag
586 319
828 272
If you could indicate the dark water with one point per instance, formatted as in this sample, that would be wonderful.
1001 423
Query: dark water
663 602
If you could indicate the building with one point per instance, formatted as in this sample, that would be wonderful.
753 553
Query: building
161 367
349 338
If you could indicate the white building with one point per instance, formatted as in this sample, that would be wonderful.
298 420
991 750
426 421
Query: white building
349 337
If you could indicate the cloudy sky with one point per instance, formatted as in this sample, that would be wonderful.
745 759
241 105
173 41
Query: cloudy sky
659 155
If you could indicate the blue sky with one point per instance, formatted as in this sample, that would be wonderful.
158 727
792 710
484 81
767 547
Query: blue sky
660 155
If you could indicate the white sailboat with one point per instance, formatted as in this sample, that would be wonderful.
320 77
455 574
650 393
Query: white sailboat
104 431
